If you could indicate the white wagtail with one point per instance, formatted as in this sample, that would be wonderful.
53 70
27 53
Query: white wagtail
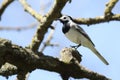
77 35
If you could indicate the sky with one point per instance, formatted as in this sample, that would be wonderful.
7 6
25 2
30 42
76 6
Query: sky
105 35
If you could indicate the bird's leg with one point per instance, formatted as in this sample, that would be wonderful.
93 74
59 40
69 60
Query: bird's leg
76 46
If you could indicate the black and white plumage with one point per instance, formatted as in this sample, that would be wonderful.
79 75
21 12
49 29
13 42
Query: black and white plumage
77 35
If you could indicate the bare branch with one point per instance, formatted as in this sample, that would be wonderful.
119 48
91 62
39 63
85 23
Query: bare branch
4 5
47 21
109 6
27 8
22 58
19 28
47 42
96 20
109 16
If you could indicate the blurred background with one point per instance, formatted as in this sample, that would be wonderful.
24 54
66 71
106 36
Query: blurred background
105 35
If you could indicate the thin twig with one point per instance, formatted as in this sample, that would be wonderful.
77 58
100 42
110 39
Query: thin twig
47 42
109 6
19 28
31 11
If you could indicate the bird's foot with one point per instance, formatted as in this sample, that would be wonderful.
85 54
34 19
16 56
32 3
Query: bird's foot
76 46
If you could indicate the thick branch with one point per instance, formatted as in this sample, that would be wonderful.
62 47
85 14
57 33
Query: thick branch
47 21
22 58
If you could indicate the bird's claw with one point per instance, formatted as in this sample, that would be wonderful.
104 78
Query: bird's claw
75 47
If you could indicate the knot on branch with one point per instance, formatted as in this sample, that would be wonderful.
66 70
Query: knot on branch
68 55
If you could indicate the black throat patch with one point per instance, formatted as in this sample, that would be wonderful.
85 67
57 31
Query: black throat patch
65 28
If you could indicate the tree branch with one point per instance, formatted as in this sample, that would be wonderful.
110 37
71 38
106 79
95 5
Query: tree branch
47 42
19 28
109 6
108 16
32 12
97 20
4 5
23 57
47 21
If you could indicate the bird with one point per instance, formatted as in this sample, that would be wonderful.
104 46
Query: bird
77 35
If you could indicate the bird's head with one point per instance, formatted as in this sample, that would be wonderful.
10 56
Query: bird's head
65 19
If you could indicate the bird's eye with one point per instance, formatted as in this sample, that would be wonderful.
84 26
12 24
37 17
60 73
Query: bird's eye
64 18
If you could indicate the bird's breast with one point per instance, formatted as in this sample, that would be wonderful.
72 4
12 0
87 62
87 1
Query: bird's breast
74 36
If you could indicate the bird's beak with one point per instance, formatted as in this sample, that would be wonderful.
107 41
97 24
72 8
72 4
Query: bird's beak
59 19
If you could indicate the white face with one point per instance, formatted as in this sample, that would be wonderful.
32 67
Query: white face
65 18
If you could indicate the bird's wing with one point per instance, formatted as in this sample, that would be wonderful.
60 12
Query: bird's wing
78 28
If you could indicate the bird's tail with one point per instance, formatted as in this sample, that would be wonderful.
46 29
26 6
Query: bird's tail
99 55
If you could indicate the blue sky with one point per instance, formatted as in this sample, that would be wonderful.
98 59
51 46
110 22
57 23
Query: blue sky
105 36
